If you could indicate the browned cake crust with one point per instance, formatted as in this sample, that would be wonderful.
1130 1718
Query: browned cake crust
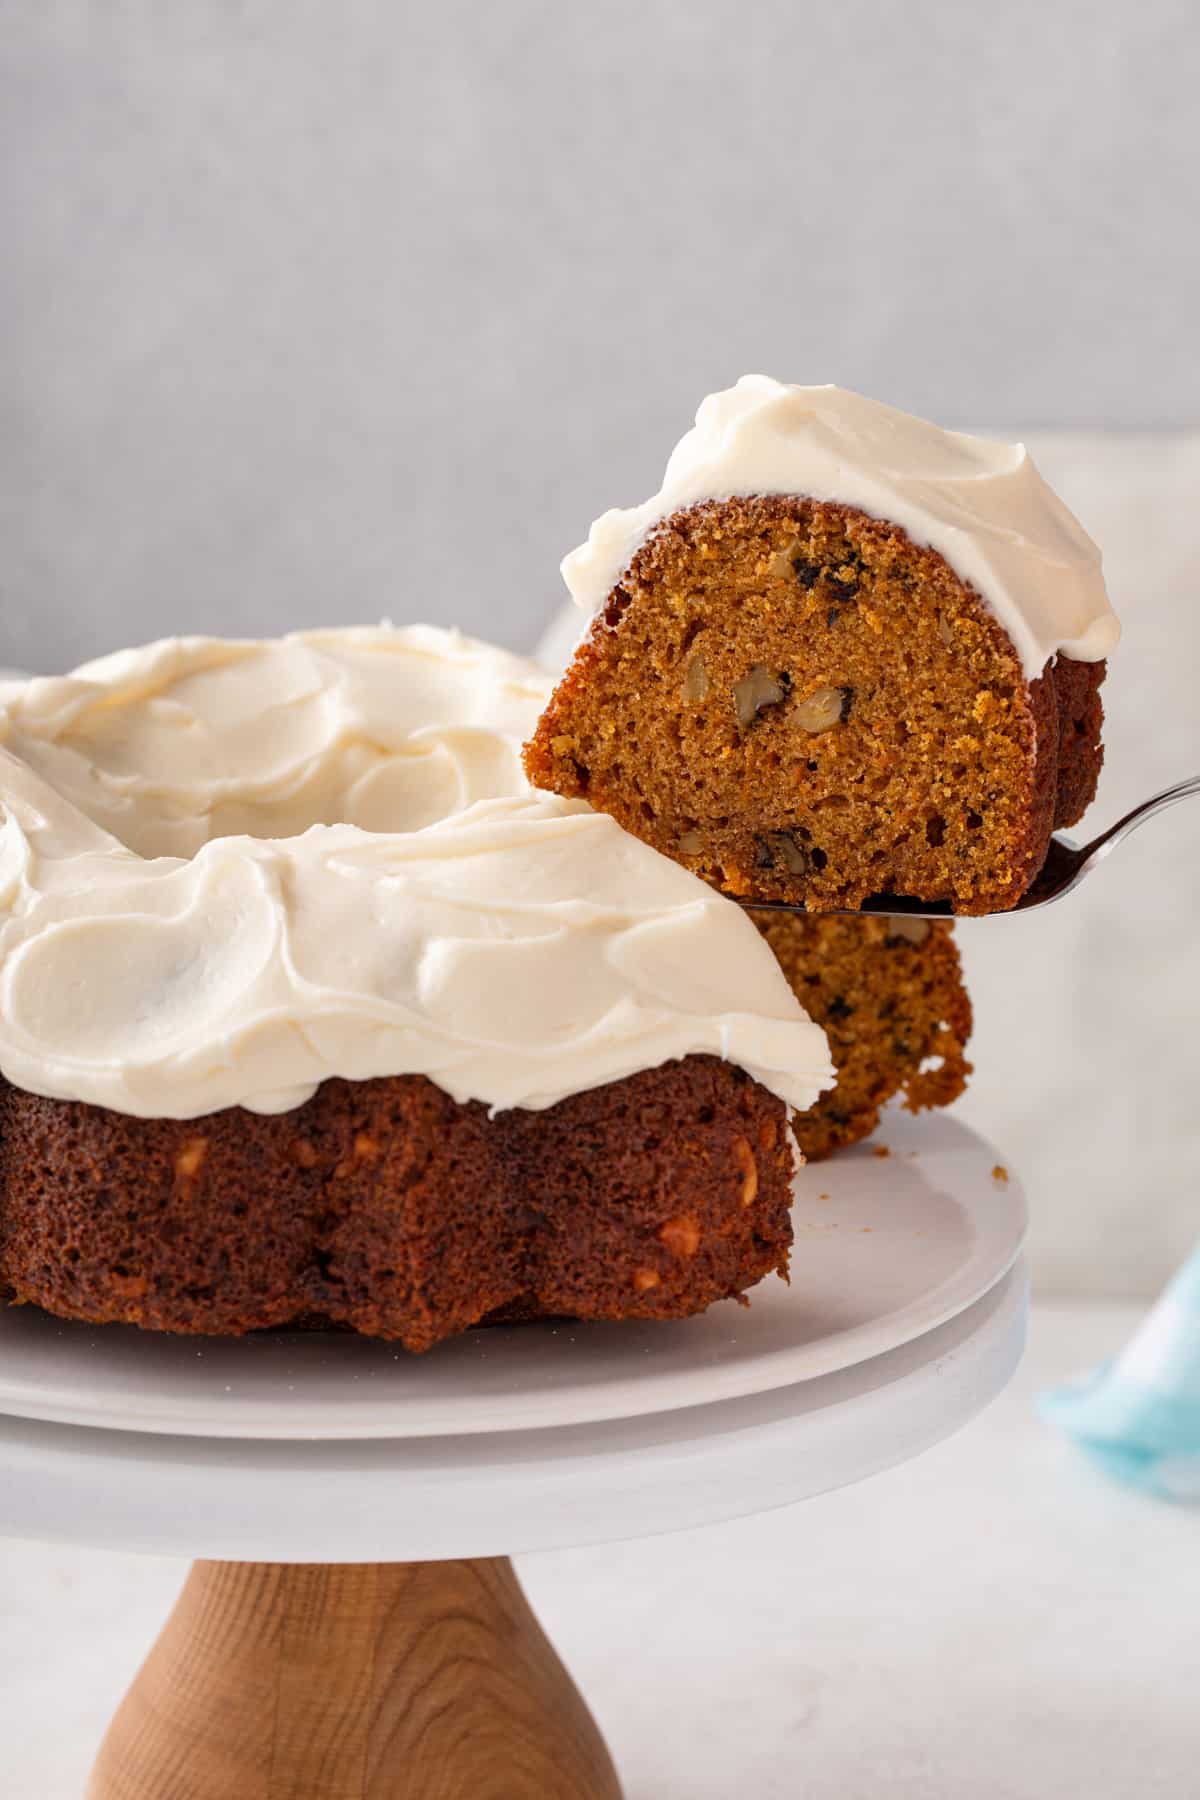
890 996
388 1207
799 703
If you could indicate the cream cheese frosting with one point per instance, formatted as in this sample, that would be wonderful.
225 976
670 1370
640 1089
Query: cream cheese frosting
188 739
221 884
982 505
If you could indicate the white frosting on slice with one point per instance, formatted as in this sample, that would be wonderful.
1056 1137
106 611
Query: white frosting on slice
518 948
982 505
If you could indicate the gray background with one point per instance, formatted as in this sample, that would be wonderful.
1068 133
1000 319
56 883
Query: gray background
315 310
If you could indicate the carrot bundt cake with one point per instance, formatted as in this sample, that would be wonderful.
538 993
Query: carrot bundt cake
310 1009
841 654
305 1014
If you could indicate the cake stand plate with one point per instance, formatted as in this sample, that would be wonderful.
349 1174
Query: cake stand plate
337 1678
887 1249
486 1494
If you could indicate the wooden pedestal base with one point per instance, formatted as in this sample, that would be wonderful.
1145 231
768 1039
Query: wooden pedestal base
374 1681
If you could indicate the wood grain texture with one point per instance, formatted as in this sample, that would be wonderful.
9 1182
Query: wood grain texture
373 1681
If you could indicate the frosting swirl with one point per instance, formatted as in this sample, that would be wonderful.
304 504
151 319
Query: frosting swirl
220 884
189 739
982 505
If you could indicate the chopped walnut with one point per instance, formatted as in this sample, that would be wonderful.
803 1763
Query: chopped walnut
784 562
190 1159
754 693
695 680
826 707
743 1156
681 1235
691 843
908 930
774 847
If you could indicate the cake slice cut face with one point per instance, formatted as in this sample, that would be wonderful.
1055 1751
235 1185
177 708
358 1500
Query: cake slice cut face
889 995
841 654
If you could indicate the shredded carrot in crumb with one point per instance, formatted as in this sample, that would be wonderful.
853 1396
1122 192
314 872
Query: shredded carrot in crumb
999 1173
881 1150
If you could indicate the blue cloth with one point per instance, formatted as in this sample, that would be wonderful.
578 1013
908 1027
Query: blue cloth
1138 1417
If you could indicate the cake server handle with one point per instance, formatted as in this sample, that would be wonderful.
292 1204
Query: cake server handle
1100 846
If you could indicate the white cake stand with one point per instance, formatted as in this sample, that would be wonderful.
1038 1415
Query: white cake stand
359 1633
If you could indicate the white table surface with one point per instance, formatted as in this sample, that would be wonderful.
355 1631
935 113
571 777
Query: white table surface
990 1622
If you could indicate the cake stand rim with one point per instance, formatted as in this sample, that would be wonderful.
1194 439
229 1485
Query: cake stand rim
442 1498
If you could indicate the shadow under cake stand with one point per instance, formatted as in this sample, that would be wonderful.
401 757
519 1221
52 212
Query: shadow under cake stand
354 1629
